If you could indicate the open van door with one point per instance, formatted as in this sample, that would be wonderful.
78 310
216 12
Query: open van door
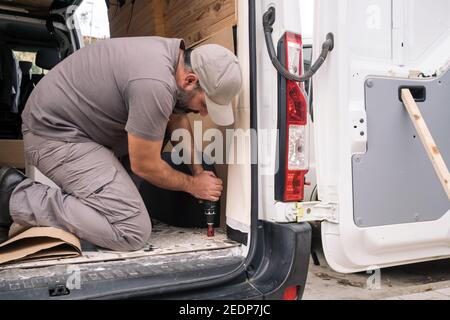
371 165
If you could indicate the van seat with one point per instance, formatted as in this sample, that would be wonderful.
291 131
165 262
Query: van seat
46 59
8 79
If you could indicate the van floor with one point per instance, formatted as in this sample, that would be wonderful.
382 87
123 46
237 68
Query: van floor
165 240
172 255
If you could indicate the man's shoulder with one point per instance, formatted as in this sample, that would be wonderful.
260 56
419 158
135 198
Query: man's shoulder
150 89
152 84
146 40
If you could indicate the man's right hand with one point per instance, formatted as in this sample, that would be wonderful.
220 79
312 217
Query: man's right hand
206 186
146 162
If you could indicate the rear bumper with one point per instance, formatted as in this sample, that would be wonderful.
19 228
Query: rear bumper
281 261
284 259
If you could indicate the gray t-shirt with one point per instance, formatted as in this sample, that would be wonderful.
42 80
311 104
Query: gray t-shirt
105 90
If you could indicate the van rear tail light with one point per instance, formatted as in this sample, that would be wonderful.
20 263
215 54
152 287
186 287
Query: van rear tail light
291 293
296 103
297 160
292 124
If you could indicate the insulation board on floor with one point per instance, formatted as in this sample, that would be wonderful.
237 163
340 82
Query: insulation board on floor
165 240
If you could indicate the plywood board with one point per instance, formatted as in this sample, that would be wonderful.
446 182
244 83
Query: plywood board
194 21
199 20
132 20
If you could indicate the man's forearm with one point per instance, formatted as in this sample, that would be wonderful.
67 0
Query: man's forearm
182 122
163 176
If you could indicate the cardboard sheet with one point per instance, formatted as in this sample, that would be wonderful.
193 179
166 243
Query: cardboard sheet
12 153
40 244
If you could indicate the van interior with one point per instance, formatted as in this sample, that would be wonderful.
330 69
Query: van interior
30 46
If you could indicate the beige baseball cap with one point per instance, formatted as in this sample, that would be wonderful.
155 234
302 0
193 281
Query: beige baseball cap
220 77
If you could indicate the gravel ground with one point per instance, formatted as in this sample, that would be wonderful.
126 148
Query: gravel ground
424 281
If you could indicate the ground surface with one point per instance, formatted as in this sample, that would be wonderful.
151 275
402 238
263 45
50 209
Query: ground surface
425 281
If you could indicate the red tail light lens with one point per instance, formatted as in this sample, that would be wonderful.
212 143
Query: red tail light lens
296 103
295 185
291 293
296 163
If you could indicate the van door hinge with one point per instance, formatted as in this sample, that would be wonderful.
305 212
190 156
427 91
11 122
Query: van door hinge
317 211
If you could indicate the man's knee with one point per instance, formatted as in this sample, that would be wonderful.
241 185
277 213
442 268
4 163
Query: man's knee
141 237
135 233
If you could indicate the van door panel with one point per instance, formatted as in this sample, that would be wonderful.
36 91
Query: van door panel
390 206
394 182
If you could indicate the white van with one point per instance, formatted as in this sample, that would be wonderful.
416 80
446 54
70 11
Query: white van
373 214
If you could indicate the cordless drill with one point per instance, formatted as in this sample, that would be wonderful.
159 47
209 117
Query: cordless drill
210 212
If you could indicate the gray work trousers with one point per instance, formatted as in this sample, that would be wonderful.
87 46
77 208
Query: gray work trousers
98 201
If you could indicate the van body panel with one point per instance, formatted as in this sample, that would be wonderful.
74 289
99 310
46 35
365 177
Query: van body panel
376 39
288 19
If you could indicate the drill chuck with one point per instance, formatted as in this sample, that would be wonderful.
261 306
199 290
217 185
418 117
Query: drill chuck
210 213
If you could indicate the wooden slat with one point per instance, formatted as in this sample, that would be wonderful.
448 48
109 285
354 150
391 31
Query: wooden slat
159 23
200 19
208 32
145 19
179 5
427 140
118 21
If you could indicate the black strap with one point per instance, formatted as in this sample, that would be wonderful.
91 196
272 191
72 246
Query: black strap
51 29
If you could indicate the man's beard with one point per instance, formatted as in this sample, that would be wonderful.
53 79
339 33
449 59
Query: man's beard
183 98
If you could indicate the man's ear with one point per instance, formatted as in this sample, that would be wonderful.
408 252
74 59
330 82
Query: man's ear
190 81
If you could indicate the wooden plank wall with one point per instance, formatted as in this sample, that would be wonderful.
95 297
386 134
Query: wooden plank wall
194 20
131 21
